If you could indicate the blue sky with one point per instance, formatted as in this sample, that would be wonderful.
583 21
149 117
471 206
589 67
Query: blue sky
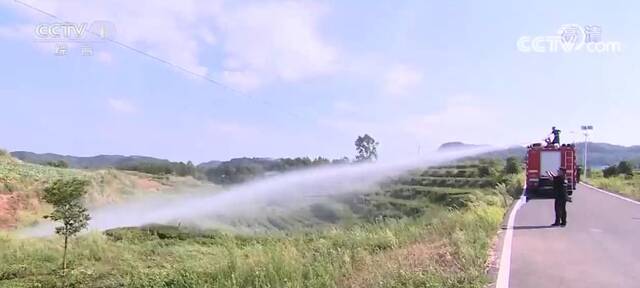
304 78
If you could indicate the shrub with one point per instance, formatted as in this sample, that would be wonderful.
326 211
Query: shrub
485 171
57 164
610 171
624 167
512 166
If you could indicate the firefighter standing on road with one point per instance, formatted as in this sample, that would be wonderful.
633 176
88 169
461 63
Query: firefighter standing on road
561 197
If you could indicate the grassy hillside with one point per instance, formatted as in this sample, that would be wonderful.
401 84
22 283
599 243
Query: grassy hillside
431 228
93 162
21 185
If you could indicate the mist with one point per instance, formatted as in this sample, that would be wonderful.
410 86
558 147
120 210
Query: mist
287 191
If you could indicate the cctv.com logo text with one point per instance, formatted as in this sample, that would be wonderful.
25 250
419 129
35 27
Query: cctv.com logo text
569 38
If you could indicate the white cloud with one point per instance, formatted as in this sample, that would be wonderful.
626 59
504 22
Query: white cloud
261 42
276 41
121 105
459 120
402 80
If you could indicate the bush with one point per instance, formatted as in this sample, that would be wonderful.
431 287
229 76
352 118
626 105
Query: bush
610 171
486 171
624 167
515 186
512 166
57 164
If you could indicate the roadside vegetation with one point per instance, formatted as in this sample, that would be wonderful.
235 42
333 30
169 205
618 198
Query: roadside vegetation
430 228
620 178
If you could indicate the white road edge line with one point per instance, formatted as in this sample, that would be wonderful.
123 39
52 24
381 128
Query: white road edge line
505 257
611 194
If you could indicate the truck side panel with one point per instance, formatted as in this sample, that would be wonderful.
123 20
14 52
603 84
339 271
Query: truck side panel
533 167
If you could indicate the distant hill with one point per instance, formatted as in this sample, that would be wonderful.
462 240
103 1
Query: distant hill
600 154
92 162
208 165
457 145
604 154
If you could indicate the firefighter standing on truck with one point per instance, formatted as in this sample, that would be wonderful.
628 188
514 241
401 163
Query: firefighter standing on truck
556 135
561 197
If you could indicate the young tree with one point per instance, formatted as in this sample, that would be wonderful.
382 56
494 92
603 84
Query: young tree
512 166
366 147
66 197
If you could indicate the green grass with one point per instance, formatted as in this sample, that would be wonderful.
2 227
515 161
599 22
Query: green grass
318 259
629 186
411 232
16 175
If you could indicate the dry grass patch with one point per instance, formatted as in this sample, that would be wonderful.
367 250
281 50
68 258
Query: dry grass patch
424 257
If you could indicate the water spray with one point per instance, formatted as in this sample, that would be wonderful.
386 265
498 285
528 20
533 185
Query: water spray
288 191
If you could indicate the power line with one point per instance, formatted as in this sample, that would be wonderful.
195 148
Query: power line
136 50
156 58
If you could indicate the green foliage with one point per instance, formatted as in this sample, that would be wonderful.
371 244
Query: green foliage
610 171
512 166
627 185
244 169
57 164
65 195
227 173
149 168
450 213
366 147
161 168
326 258
486 171
625 167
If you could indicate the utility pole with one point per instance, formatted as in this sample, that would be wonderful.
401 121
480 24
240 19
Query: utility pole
586 129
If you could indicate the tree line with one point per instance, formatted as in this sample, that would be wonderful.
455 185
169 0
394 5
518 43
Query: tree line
244 169
170 168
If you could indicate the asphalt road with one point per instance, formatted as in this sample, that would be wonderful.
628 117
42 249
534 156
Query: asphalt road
600 247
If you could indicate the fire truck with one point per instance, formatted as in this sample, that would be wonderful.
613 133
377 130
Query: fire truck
551 157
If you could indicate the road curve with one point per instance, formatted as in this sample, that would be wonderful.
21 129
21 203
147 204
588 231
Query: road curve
600 247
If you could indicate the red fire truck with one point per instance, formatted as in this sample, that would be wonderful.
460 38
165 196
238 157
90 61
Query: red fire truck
551 157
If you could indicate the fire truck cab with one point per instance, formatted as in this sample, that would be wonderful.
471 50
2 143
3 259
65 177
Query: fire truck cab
551 157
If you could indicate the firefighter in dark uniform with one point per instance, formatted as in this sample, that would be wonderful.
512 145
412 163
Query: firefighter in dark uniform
561 197
556 135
